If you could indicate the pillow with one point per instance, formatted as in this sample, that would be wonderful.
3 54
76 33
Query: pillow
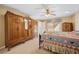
76 32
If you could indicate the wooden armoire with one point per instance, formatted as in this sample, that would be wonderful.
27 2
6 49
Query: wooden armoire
15 31
67 27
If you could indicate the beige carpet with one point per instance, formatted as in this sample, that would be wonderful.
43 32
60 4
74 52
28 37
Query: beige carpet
29 47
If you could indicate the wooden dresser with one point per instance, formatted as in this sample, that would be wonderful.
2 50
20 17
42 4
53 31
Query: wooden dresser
15 31
67 27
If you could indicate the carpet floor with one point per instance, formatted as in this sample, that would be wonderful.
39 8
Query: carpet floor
29 47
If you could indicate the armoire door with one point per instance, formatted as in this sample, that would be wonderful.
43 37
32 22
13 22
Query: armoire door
14 29
21 28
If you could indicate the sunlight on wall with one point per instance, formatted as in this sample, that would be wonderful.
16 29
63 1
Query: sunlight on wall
76 17
58 27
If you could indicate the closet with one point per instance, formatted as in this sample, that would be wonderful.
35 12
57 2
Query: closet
15 31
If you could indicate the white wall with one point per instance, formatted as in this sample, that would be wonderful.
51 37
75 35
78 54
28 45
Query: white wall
76 17
41 27
50 27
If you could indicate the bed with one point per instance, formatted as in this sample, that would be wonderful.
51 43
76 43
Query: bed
60 42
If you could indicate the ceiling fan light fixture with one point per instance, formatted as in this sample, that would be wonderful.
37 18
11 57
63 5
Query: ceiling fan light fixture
47 15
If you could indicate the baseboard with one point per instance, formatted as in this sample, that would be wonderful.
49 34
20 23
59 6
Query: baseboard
2 47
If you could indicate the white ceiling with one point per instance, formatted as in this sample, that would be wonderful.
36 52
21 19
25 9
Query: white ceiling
34 9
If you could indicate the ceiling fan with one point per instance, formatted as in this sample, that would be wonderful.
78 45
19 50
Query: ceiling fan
46 11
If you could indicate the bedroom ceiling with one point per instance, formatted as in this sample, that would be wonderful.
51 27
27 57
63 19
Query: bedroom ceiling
34 10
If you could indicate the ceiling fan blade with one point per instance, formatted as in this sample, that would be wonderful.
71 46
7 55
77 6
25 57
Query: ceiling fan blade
43 11
52 11
53 14
42 15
